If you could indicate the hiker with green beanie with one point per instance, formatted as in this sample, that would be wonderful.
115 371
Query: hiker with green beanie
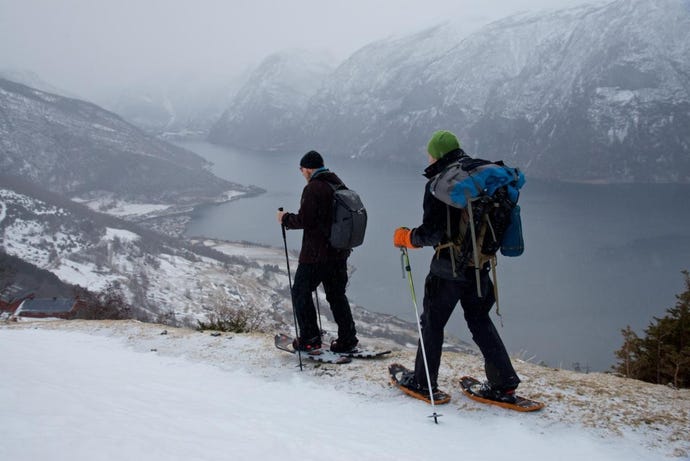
445 287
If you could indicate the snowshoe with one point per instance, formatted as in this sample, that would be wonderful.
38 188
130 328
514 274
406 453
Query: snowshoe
403 379
484 393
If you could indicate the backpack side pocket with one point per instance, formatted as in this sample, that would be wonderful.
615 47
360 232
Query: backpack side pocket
513 243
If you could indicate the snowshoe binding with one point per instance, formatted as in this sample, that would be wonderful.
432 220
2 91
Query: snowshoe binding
403 379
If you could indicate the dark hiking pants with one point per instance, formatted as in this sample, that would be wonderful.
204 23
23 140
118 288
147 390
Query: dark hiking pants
333 276
440 298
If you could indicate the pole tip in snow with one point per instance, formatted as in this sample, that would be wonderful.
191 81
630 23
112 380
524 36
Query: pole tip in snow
435 416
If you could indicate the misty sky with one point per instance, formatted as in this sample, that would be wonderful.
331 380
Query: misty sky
86 45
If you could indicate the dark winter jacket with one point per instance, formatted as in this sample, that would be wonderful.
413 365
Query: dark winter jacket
315 216
437 217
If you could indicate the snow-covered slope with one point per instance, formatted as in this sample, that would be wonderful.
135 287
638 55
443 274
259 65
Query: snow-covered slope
161 276
128 390
604 90
166 279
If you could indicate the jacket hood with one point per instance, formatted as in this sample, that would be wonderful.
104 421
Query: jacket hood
441 164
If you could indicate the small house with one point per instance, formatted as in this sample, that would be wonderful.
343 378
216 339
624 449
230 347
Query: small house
64 308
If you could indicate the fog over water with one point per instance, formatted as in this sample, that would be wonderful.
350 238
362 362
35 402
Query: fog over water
597 257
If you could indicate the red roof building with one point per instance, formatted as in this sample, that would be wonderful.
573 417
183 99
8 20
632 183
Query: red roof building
12 296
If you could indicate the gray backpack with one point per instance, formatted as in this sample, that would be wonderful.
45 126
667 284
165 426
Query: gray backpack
349 219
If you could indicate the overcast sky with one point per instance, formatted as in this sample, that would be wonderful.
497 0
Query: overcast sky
82 45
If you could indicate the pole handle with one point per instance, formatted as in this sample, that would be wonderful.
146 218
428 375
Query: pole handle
282 227
402 262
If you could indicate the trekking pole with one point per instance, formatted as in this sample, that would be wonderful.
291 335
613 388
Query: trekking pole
405 258
294 314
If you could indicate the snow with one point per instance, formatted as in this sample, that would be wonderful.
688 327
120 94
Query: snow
30 239
83 274
107 203
260 254
121 208
98 126
231 195
616 95
44 96
121 234
125 390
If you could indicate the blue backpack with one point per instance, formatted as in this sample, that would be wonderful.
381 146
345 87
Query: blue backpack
488 192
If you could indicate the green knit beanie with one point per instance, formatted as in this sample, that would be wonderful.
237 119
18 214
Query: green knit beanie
441 143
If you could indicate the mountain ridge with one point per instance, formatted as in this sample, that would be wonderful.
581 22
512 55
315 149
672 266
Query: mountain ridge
78 149
594 93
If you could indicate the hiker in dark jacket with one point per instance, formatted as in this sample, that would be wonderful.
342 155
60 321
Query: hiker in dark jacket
444 287
319 263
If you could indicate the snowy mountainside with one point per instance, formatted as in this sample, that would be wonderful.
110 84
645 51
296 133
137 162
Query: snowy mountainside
602 88
171 280
161 275
273 101
75 148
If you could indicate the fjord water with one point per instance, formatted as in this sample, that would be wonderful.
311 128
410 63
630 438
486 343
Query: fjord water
597 257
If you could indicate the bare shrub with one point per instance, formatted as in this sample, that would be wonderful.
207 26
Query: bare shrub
225 317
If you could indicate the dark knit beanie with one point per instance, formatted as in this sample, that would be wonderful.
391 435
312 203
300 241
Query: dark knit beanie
311 160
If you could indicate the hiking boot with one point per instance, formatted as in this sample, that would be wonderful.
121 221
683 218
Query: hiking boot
489 392
307 345
408 380
344 345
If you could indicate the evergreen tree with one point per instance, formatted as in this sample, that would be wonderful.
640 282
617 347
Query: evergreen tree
662 356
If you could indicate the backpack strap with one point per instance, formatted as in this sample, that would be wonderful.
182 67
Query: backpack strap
494 263
453 244
475 250
333 185
326 228
450 245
